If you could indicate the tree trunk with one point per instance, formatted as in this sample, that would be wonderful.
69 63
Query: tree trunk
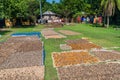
104 21
107 21
66 19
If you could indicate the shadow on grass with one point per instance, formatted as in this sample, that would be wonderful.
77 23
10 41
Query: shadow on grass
118 36
3 32
117 27
29 26
97 25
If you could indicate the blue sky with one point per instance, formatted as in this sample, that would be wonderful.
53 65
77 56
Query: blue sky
52 0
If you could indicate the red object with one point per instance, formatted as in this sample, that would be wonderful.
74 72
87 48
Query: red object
78 19
99 20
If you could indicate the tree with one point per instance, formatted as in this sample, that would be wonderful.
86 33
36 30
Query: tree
95 6
33 10
55 7
47 7
1 9
109 7
68 8
11 8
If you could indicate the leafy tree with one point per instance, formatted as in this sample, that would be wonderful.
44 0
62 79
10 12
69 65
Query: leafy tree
33 10
95 6
69 7
55 7
1 9
47 7
11 8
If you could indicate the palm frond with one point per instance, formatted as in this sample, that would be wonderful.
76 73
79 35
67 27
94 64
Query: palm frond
103 2
118 4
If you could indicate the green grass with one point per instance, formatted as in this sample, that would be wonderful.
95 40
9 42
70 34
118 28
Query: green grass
101 36
105 37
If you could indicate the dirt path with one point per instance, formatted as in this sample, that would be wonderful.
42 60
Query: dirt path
50 33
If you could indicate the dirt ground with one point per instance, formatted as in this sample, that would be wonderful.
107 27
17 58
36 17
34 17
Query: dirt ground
65 47
24 59
68 32
16 45
82 44
50 33
54 25
103 71
26 73
23 39
104 66
73 58
107 55
21 59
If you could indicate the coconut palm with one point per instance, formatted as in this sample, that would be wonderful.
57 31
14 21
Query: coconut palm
109 7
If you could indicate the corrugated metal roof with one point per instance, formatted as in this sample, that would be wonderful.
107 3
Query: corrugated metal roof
48 13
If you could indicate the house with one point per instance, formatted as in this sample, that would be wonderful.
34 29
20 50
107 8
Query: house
51 17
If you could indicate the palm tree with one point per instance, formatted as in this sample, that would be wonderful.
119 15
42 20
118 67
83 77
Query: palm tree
109 7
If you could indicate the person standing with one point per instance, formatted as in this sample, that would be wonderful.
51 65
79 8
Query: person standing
78 19
100 20
95 20
91 19
87 19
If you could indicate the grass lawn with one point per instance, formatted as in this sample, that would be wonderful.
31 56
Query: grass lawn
105 37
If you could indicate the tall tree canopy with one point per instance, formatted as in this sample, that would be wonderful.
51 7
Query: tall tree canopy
17 8
68 7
